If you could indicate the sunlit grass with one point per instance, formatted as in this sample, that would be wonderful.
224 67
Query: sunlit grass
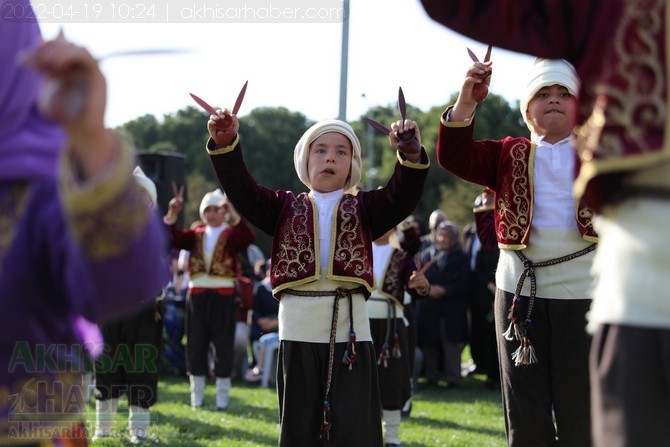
470 415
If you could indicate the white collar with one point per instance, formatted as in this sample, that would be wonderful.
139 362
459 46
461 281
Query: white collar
331 196
566 140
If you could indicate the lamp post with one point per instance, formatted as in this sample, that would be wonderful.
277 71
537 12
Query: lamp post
342 116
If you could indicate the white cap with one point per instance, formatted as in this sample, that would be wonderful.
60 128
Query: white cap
301 153
545 73
214 198
146 183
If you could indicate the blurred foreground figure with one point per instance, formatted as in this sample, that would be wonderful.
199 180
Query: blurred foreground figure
78 244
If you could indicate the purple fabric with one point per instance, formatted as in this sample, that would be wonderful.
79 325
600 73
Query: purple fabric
54 285
29 144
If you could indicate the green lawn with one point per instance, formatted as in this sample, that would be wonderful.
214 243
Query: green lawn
470 415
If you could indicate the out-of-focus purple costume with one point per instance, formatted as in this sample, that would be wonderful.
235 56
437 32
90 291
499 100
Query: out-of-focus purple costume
71 254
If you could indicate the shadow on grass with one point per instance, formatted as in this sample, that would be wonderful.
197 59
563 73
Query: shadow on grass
464 410
206 425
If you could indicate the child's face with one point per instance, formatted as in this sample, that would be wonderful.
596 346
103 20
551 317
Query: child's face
553 111
214 216
329 162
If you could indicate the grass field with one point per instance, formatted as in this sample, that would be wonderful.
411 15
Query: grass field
468 416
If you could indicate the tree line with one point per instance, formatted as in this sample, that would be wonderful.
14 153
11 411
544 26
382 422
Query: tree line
269 136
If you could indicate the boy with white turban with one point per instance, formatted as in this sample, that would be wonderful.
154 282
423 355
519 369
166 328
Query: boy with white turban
546 240
212 303
321 271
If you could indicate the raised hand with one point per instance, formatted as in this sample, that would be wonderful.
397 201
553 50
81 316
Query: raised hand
74 95
401 132
481 72
175 205
404 135
231 215
223 125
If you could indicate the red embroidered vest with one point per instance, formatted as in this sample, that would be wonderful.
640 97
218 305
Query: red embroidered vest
514 198
222 264
392 286
296 251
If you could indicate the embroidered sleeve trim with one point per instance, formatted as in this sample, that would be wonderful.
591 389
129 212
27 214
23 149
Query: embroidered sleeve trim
213 150
445 123
424 163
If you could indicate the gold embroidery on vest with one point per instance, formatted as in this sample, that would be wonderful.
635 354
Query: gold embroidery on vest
197 259
586 217
392 279
222 265
349 247
634 90
514 202
296 246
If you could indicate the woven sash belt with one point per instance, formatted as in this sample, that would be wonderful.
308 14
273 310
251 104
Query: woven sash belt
522 328
391 322
349 357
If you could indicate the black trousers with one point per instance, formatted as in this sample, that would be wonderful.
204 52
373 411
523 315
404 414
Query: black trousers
394 377
630 384
210 317
354 399
557 385
130 362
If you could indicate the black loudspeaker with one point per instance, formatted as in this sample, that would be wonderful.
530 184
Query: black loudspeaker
164 168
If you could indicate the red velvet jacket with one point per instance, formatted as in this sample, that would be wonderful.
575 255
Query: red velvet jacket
506 166
224 262
292 220
400 267
619 49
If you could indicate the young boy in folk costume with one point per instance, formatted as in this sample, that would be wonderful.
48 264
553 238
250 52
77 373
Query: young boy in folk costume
212 305
394 272
321 271
620 50
546 240
72 221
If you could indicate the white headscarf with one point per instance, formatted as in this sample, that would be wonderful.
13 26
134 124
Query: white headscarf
301 153
214 198
545 73
146 183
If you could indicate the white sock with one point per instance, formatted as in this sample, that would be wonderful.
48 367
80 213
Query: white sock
197 390
223 385
391 426
86 385
105 410
138 421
